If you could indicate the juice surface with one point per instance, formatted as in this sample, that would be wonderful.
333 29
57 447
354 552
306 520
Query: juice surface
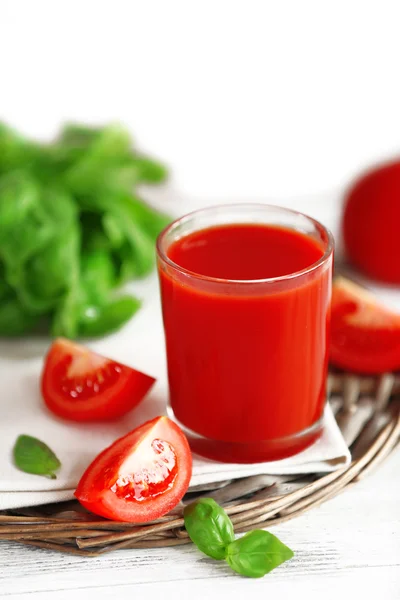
246 367
245 252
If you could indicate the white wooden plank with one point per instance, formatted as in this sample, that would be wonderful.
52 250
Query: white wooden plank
365 582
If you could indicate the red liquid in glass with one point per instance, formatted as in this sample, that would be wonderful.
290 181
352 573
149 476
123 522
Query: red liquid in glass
247 368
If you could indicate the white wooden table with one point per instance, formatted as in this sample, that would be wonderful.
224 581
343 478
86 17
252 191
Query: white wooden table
347 548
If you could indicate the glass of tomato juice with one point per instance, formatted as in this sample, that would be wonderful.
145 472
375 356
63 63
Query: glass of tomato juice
246 293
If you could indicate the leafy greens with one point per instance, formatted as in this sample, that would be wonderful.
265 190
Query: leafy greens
73 230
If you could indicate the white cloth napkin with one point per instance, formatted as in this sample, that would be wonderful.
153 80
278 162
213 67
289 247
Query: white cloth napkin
139 344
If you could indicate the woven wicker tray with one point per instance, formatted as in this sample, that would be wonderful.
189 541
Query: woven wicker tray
368 413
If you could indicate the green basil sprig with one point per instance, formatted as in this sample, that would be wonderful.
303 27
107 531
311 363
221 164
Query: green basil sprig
253 555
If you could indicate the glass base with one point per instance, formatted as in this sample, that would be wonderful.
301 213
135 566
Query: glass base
250 452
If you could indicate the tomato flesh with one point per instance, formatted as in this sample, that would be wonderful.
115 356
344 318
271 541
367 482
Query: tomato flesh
144 482
365 336
80 385
140 477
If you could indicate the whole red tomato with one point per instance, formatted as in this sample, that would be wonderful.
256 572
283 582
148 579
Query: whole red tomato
371 223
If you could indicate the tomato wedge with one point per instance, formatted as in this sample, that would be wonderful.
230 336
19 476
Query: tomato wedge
365 336
80 385
141 476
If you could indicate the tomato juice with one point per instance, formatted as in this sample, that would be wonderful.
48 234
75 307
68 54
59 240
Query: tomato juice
246 318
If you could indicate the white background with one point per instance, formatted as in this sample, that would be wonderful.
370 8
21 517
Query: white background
242 98
274 100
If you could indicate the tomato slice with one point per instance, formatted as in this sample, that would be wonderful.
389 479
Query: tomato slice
80 385
141 476
365 336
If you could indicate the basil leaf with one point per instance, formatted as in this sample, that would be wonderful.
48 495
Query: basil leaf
257 553
100 320
209 527
33 456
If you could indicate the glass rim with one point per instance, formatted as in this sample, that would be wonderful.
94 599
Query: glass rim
220 280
